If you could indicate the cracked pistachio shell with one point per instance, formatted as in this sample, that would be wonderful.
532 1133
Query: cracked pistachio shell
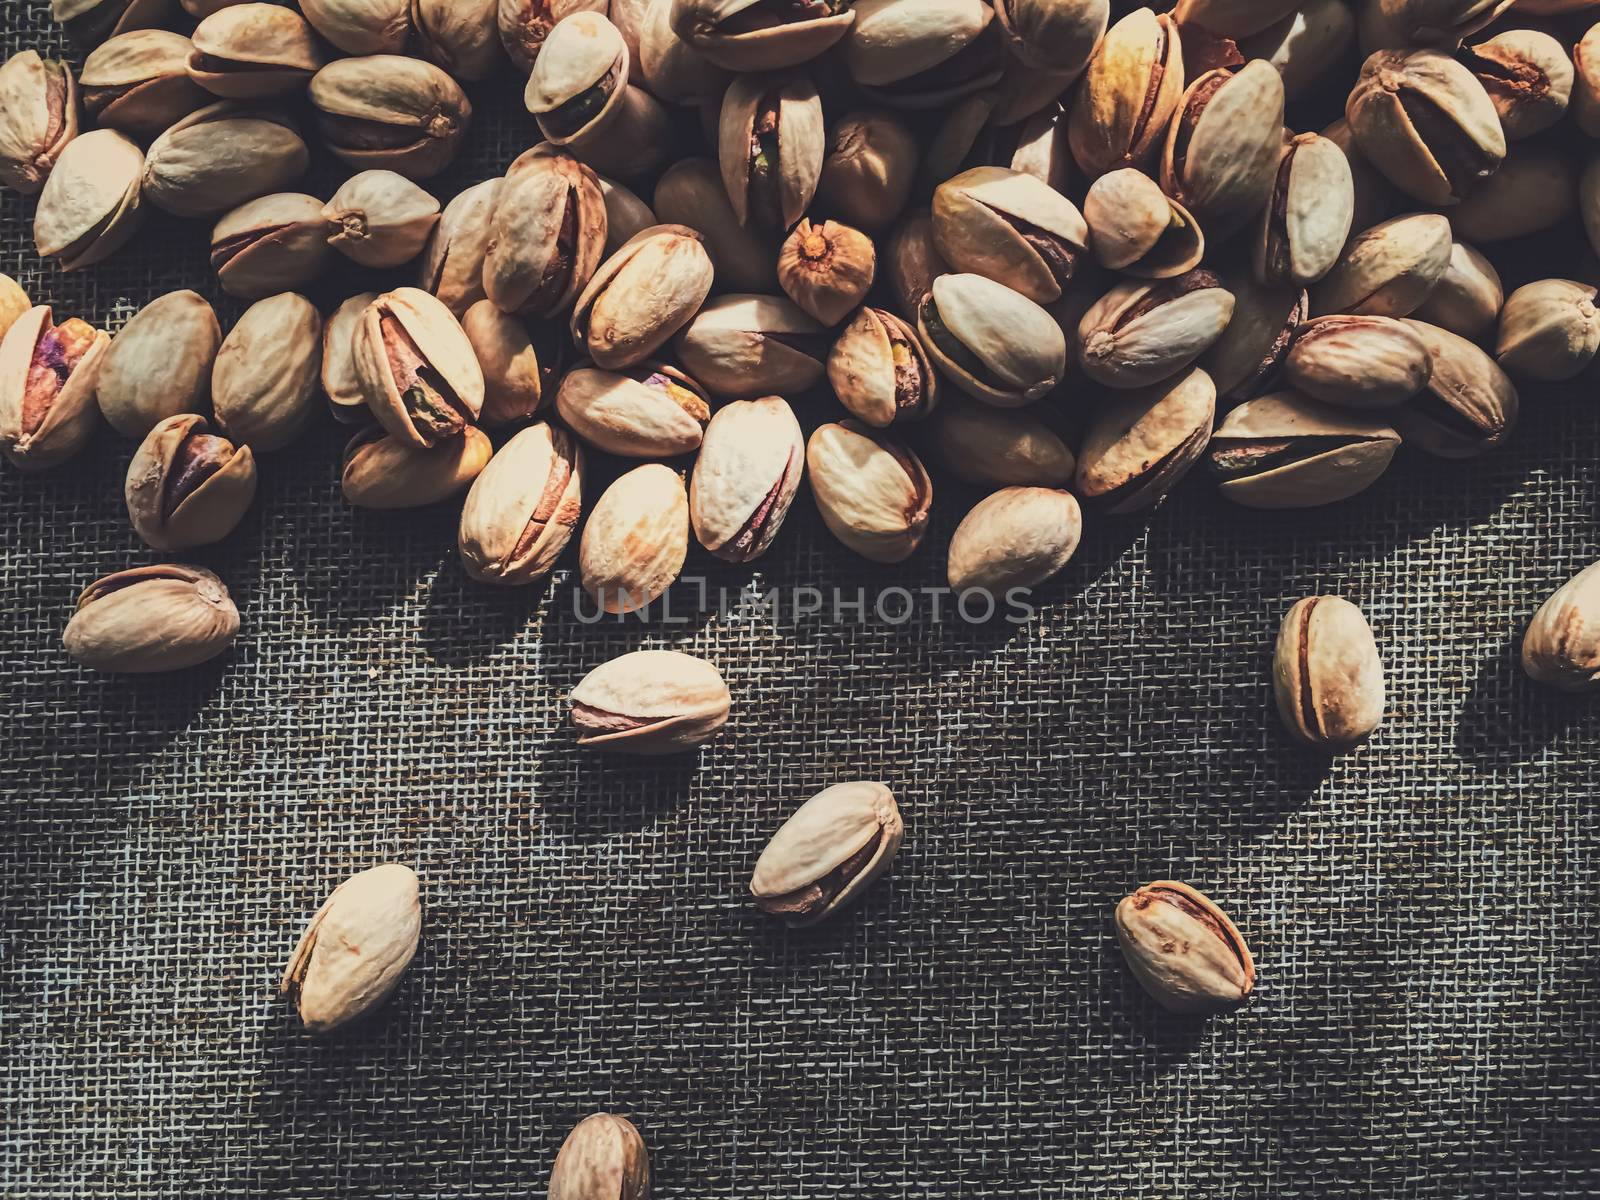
47 382
673 70
1285 450
38 118
1141 332
380 219
90 22
460 36
91 204
920 54
997 447
1358 362
1388 270
1549 330
753 35
380 471
1425 121
340 383
1139 444
357 947
1439 22
521 361
691 193
626 215
452 262
1019 537
1468 297
523 507
1128 94
1223 145
14 303
650 702
1534 189
871 164
1326 675
603 1158
1561 647
746 477
525 24
270 245
991 342
740 346
186 487
264 382
650 410
251 51
879 370
828 853
1183 949
873 492
635 539
827 269
417 368
642 295
1306 221
1054 35
219 156
361 26
765 117
139 82
579 78
1010 227
161 618
1247 359
1469 405
1137 228
1305 45
159 365
389 112
1528 77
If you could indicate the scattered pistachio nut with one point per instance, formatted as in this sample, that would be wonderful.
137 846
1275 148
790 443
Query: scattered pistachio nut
548 232
828 853
381 471
187 487
1139 444
746 477
523 507
252 51
1137 228
867 174
1128 93
148 619
1223 145
274 244
159 365
1327 676
380 219
827 269
1549 330
1561 647
873 492
1141 332
1306 221
635 539
340 383
991 342
1358 362
138 82
1010 227
1469 405
642 295
264 381
770 144
1018 537
740 346
521 361
879 370
221 155
38 118
452 261
417 368
1183 949
1285 450
576 88
1388 270
47 381
998 447
389 112
91 203
649 410
650 702
603 1158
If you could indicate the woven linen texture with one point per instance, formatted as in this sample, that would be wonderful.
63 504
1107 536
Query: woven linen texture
1422 912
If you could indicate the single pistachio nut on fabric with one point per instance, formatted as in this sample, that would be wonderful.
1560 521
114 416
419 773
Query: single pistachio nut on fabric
14 303
991 342
90 22
274 244
264 381
1018 537
1468 297
361 26
1248 358
417 368
603 1158
38 117
920 54
1469 405
1388 270
575 89
1358 362
1053 35
139 83
1327 676
690 192
1139 444
358 945
912 262
1306 221
340 383
1141 332
641 296
1535 189
523 507
672 69
758 35
1285 450
1305 45
827 269
221 155
381 471
91 204
1549 330
873 491
389 112
1440 22
867 174
746 477
147 619
47 381
1011 228
740 346
525 24
650 702
187 487
635 539
1222 147
879 370
1183 949
648 410
159 364
380 219
1561 647
521 360
547 235
451 266
770 144
1528 77
1136 228
626 215
997 447
252 51
828 853
461 36
1128 93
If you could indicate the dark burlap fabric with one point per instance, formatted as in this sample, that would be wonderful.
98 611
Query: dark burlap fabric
1422 912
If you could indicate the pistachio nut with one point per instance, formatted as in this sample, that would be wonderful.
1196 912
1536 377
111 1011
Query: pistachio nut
14 303
603 1158
642 295
576 87
746 477
1223 146
690 193
760 35
90 22
1440 22
1358 362
967 136
1248 358
38 117
1468 297
47 381
649 410
1183 950
635 539
548 232
1137 228
1010 227
873 492
264 382
525 24
879 370
923 53
523 507
1425 121
742 346
219 156
1534 189
650 702
1388 270
1285 450
252 51
997 447
912 262
770 145
461 36
389 112
626 215
381 471
991 342
828 853
1549 330
340 383
827 269
1128 94
186 487
521 362
139 83
1585 102
867 174
1042 150
361 26
1141 332
1528 77
159 365
358 945
1327 676
417 368
1139 444
1374 194
1469 405
270 245
452 261
1306 220
1018 537
146 619
1305 45
91 204
1561 647
1053 35
380 219
671 69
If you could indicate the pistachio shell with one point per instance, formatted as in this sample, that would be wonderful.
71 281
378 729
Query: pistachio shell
1247 359
690 192
523 507
992 343
1233 18
1019 537
1222 147
999 447
525 24
626 215
381 471
673 69
1128 94
38 118
361 26
746 477
1468 296
461 36
1139 333
452 261
874 493
1358 362
742 346
14 303
159 365
649 411
161 618
220 156
1183 949
340 383
650 702
747 35
250 51
389 112
1327 676
923 53
1469 405
1305 45
642 295
763 115
186 488
1561 647
1388 270
1139 444
139 82
1440 22
90 205
1549 330
1534 189
635 539
827 269
1010 227
520 362
603 1158
1284 450
1306 221
1136 228
579 77
47 382
416 367
1528 77
828 852
380 219
1054 35
264 382
879 370
270 245
867 175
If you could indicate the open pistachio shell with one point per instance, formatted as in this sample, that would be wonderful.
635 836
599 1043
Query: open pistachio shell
547 235
452 261
1142 332
673 69
187 487
47 381
1128 93
642 295
828 853
1327 676
1010 227
991 342
161 618
250 51
390 112
417 368
525 24
1306 220
650 410
38 118
1358 361
758 35
740 346
923 53
1561 647
91 203
873 492
1222 148
635 539
650 702
1183 949
746 477
579 77
1136 228
1469 405
523 507
274 244
1139 444
380 471
139 82
1247 359
879 370
1285 450
340 383
770 145
1388 270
